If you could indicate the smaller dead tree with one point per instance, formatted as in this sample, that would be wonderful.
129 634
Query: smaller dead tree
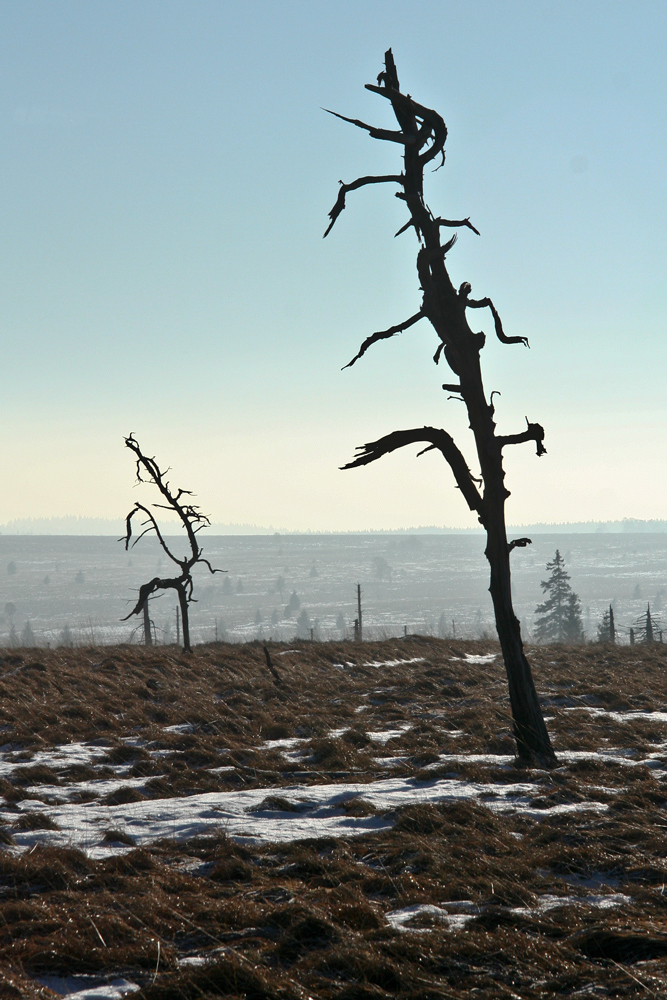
647 628
192 521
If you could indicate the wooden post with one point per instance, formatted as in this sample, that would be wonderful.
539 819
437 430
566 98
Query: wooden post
612 626
361 629
178 627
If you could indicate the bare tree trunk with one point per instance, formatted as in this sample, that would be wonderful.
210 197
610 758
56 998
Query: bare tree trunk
183 601
530 731
148 635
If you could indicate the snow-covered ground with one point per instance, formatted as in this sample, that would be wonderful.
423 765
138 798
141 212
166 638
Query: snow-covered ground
315 810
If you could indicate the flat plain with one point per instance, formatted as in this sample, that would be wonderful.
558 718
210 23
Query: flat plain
349 825
425 583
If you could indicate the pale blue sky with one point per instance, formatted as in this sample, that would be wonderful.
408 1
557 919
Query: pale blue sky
166 178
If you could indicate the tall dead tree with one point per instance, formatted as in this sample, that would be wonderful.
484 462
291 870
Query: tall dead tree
191 519
422 134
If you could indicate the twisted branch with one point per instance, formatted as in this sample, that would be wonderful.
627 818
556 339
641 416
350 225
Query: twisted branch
360 182
384 335
464 292
435 438
456 224
533 432
375 133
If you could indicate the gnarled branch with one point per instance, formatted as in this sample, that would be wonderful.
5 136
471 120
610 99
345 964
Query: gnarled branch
464 292
405 107
152 525
376 133
519 543
384 335
435 438
360 182
456 224
149 588
533 432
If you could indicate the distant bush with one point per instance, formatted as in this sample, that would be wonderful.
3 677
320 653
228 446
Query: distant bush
293 606
28 636
66 637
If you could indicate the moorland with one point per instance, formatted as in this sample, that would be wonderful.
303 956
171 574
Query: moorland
350 824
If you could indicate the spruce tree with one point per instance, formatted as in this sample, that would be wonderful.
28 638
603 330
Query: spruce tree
607 627
28 637
574 629
559 617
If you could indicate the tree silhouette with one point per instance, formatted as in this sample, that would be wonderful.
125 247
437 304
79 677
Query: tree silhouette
560 615
574 628
303 625
28 636
192 521
293 606
647 628
607 627
422 134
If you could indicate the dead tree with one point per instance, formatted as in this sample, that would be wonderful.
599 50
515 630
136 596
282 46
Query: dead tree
647 628
191 519
422 134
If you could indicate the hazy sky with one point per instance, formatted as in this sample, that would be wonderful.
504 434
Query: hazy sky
167 172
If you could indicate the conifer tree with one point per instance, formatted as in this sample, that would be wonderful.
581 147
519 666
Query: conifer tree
574 628
607 627
28 636
559 617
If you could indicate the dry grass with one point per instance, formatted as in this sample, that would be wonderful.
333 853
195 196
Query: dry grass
308 918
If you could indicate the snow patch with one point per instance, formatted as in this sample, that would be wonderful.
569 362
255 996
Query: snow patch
384 735
320 812
471 658
394 663
87 987
455 915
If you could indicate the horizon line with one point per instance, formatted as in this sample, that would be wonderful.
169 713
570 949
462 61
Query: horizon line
84 526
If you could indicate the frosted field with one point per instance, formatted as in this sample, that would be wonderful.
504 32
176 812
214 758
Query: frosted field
415 582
